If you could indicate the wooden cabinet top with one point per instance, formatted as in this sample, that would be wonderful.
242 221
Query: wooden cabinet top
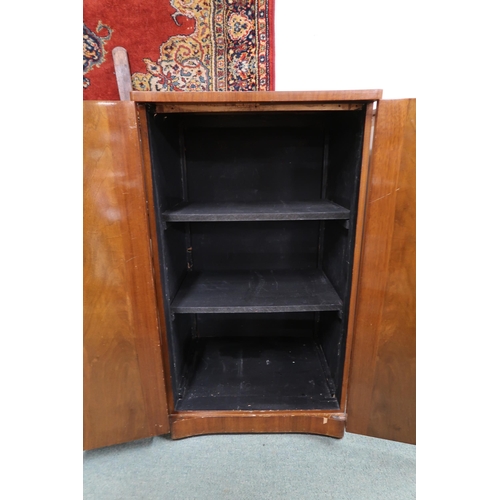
255 97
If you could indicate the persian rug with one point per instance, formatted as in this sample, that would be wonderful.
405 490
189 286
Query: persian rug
179 45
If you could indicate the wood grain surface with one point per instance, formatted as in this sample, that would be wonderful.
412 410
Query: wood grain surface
358 246
185 424
124 389
327 96
382 394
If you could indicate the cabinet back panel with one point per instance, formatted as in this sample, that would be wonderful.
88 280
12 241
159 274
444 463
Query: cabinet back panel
166 159
345 144
255 325
331 337
254 245
337 256
181 344
254 164
174 257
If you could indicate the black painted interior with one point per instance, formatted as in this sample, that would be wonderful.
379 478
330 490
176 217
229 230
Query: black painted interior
256 221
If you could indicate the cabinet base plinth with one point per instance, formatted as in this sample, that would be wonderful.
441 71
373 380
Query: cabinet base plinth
196 423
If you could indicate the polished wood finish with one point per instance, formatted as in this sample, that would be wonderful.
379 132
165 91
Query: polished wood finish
195 423
124 388
328 96
127 387
381 400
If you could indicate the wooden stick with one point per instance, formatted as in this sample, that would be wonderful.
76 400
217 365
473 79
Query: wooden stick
122 71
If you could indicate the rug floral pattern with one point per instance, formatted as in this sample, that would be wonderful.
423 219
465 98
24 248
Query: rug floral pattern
93 49
228 47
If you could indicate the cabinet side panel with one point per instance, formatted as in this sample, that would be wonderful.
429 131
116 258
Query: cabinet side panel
381 398
347 146
124 389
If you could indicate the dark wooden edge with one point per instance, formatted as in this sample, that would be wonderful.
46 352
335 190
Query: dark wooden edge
234 107
363 188
325 423
148 181
253 97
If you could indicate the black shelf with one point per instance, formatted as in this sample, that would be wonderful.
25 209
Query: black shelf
258 373
256 291
255 211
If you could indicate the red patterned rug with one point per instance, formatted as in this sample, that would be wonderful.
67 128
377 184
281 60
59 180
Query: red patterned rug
179 45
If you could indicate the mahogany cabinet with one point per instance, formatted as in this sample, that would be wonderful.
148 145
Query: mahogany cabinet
237 278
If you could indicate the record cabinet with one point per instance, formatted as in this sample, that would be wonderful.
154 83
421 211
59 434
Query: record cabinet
253 209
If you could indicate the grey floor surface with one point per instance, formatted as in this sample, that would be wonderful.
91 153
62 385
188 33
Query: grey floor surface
259 466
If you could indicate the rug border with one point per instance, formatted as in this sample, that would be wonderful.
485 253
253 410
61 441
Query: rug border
272 53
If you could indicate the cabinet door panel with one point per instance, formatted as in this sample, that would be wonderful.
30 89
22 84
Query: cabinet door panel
124 388
381 394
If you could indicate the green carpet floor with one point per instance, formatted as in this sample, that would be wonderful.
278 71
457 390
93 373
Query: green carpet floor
260 466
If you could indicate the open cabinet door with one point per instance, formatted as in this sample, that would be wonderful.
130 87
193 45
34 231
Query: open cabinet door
382 393
124 388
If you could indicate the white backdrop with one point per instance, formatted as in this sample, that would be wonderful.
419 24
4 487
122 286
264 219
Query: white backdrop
357 44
